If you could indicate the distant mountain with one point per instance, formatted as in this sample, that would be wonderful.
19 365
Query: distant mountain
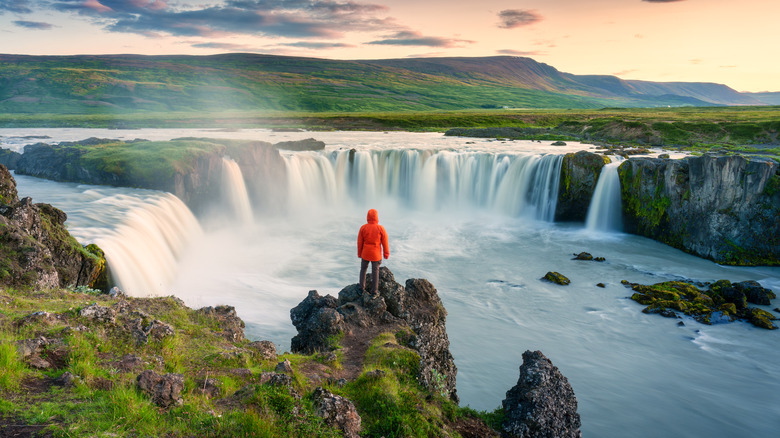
768 98
98 84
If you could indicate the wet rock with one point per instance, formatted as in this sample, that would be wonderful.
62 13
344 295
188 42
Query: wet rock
601 285
599 259
583 256
265 349
558 143
337 412
579 174
557 278
755 293
165 390
542 404
761 318
232 327
308 144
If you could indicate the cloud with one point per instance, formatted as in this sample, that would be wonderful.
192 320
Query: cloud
16 6
318 45
624 72
222 46
279 18
33 25
519 52
512 18
414 38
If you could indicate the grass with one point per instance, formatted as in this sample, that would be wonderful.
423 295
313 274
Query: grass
105 400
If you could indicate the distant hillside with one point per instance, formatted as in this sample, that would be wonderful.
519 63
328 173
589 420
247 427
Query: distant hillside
768 98
122 84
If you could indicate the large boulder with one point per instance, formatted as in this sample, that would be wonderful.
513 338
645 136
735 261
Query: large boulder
542 404
724 208
579 174
165 390
322 321
337 412
36 248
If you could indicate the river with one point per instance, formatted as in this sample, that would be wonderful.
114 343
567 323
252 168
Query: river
471 216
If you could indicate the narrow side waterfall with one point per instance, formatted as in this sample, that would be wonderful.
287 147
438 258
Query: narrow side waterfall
605 211
517 185
143 252
234 191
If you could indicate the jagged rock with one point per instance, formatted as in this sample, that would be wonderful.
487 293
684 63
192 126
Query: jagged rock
280 379
159 330
542 404
761 318
321 321
284 367
337 412
557 278
142 327
165 390
98 313
37 249
232 326
724 208
265 349
755 293
115 292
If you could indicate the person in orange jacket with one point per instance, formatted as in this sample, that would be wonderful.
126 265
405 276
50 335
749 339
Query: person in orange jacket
371 246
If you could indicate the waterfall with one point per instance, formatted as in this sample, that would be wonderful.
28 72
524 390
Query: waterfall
605 211
517 185
142 253
234 191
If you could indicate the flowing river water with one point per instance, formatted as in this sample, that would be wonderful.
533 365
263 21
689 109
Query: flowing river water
474 218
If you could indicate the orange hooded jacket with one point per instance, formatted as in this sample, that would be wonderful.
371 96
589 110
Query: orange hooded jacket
372 239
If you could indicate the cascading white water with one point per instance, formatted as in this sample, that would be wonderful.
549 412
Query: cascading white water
605 211
234 191
143 252
517 185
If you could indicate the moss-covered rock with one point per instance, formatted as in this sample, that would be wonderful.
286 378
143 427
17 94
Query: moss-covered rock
579 174
721 302
557 278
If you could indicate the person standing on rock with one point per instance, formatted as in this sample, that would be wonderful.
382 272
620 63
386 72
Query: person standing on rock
371 246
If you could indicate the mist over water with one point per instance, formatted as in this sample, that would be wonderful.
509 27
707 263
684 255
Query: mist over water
474 220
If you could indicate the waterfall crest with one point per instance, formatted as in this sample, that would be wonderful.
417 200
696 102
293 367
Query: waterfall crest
517 185
605 210
234 191
143 252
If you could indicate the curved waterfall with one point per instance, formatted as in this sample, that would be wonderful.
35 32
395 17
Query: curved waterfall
605 211
143 252
517 185
234 191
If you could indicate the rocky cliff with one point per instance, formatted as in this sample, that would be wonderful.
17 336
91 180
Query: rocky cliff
321 321
579 175
724 208
37 249
190 168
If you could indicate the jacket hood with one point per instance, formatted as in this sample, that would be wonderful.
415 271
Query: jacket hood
372 217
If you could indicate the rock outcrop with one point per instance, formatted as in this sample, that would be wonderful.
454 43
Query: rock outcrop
322 321
723 208
337 412
193 177
165 390
307 144
579 174
36 248
542 404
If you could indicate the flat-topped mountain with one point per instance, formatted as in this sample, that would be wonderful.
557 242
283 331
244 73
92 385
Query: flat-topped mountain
96 84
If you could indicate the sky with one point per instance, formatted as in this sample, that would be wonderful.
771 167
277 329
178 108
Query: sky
723 41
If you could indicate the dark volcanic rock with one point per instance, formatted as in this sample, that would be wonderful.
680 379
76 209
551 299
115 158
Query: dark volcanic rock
557 278
165 390
264 349
308 144
337 412
232 327
724 208
36 248
9 158
579 174
542 404
322 321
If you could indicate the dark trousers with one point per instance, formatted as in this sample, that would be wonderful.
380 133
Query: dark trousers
374 274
